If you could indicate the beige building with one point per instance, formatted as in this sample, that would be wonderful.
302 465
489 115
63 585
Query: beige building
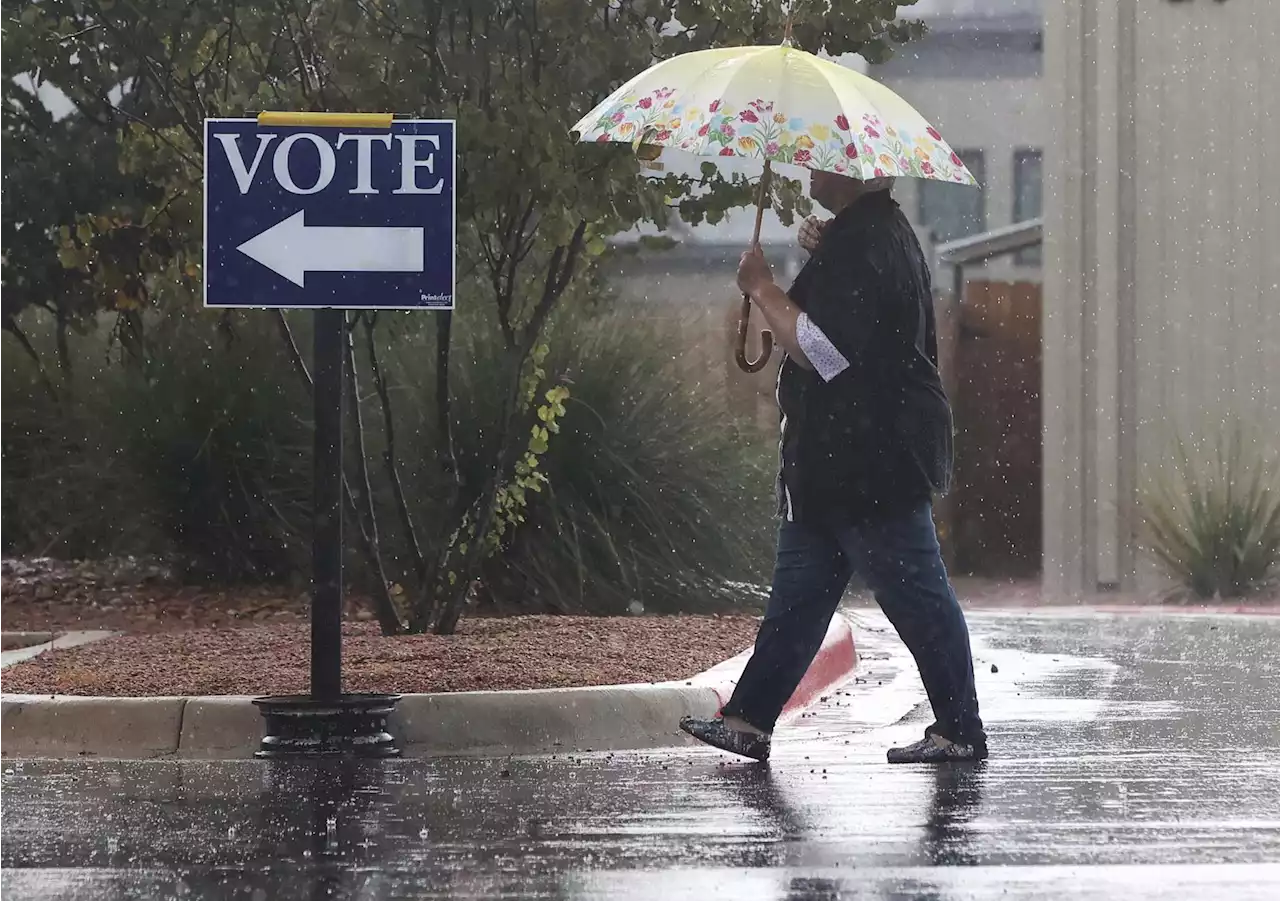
1162 277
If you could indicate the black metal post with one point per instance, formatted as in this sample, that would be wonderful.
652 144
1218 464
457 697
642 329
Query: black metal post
327 723
326 539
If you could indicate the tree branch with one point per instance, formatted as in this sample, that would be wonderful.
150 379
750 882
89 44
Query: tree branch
389 452
11 326
162 83
64 349
295 355
365 484
557 280
444 400
384 609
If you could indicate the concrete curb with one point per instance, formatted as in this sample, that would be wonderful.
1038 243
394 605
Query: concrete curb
67 726
602 718
11 641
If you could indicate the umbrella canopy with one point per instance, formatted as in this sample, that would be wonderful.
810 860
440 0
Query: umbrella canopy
777 104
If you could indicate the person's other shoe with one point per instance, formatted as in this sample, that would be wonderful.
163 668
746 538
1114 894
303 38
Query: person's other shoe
715 733
934 748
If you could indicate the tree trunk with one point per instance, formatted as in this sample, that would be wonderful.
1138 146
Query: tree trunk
11 326
451 596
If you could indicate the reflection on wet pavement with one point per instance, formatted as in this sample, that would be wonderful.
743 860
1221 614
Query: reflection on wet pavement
1133 757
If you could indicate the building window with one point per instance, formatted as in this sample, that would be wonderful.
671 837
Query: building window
1027 186
952 211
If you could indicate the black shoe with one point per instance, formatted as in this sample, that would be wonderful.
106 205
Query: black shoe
718 735
936 749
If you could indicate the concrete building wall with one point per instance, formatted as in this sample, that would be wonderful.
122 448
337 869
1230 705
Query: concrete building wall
1162 281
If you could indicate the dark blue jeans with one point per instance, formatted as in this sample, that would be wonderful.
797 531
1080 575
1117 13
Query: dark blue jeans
899 559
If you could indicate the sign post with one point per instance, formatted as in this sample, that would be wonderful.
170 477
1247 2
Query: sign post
329 212
326 539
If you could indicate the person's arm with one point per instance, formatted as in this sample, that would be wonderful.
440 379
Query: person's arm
804 340
783 318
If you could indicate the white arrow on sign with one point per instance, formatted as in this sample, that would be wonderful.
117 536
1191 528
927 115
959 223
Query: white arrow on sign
292 248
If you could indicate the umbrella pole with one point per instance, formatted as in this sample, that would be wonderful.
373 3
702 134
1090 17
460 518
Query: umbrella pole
766 336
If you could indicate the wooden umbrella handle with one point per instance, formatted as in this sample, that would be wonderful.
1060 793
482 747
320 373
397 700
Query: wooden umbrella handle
766 336
766 341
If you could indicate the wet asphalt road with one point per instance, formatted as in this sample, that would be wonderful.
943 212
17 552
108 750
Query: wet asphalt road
1134 757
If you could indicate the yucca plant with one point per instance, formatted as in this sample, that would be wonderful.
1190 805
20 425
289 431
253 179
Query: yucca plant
1214 524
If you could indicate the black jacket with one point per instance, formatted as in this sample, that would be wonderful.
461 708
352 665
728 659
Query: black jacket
877 438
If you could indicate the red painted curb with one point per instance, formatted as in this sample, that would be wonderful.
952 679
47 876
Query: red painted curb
834 663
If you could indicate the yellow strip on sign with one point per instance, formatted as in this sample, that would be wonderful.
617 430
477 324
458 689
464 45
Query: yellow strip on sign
331 120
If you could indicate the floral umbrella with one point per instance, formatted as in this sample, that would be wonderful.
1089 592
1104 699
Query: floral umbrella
777 104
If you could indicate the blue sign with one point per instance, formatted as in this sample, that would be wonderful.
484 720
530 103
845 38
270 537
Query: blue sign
301 216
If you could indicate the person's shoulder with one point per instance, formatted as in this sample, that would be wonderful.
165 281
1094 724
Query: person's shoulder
871 217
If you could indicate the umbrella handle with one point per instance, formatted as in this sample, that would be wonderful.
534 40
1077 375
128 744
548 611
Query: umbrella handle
766 336
766 341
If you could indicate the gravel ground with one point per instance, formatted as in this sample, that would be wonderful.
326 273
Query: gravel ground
510 653
128 595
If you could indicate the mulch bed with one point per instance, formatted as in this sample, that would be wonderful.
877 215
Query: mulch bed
130 595
510 653
190 640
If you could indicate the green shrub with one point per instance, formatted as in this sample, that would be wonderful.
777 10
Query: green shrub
201 453
655 494
69 488
1214 524
221 427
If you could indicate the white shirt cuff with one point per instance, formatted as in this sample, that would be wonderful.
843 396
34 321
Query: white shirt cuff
827 361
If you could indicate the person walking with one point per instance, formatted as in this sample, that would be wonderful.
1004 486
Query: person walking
866 441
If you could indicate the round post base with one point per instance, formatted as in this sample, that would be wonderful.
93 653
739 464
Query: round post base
352 725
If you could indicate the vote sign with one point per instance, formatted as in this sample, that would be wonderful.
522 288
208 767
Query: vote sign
305 216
